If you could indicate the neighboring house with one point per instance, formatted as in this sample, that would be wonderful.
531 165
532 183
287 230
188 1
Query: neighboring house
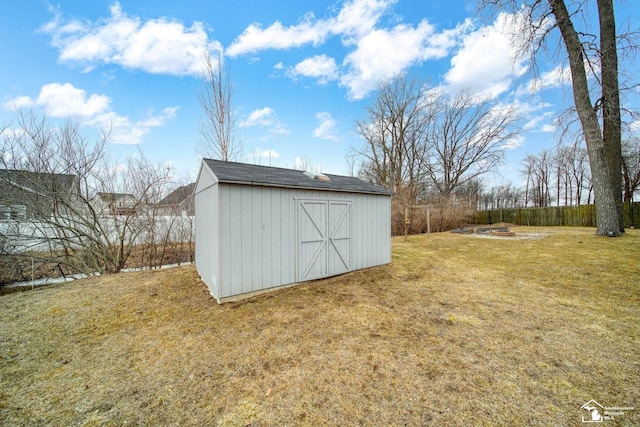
28 195
259 228
178 202
115 204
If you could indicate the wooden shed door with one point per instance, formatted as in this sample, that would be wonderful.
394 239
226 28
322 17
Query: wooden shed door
324 236
339 245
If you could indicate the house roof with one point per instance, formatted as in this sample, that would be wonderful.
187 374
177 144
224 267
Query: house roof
20 181
242 173
178 195
112 197
35 190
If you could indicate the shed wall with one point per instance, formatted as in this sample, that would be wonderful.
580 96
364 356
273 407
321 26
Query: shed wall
257 246
207 230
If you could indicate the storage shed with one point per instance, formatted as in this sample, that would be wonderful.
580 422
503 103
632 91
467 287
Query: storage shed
260 228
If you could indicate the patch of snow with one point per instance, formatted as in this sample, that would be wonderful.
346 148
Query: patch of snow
72 277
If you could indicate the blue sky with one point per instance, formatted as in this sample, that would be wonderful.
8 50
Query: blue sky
302 71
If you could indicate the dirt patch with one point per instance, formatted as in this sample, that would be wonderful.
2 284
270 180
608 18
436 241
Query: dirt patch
515 236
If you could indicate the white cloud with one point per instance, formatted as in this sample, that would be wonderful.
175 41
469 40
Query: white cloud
126 133
260 156
260 117
320 67
514 142
269 154
485 63
18 103
10 133
532 123
375 53
358 18
276 36
548 128
540 122
535 115
66 101
557 77
123 131
327 127
265 117
382 54
152 120
159 46
354 19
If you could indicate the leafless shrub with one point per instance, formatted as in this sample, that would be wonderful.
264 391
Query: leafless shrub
63 199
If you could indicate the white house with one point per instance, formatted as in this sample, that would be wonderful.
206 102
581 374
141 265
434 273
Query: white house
260 228
115 204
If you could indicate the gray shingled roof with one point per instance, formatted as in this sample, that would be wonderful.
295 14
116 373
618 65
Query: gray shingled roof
178 195
34 190
242 173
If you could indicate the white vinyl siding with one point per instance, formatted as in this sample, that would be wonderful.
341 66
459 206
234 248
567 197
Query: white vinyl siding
207 230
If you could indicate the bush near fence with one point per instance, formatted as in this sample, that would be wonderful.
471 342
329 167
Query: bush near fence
26 266
583 215
28 248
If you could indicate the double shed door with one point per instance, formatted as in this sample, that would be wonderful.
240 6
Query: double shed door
324 238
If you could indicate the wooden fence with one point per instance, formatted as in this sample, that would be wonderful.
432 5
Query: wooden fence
584 215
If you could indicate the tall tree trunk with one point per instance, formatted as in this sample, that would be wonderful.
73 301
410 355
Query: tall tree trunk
606 207
628 193
611 121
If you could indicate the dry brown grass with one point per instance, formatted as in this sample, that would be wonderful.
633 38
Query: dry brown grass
456 331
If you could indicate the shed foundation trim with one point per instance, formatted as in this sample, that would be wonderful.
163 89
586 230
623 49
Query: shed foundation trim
240 297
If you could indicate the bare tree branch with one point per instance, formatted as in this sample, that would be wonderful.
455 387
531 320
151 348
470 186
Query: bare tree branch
218 128
59 180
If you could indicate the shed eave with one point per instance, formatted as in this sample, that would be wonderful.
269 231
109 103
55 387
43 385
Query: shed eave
301 187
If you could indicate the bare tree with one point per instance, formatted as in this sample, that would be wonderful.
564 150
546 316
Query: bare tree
416 138
150 228
354 164
68 190
303 163
571 173
467 139
171 237
430 148
395 135
562 160
471 192
527 171
502 197
218 126
587 52
631 167
579 169
538 171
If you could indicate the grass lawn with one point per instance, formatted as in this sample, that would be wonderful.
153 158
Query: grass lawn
459 330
